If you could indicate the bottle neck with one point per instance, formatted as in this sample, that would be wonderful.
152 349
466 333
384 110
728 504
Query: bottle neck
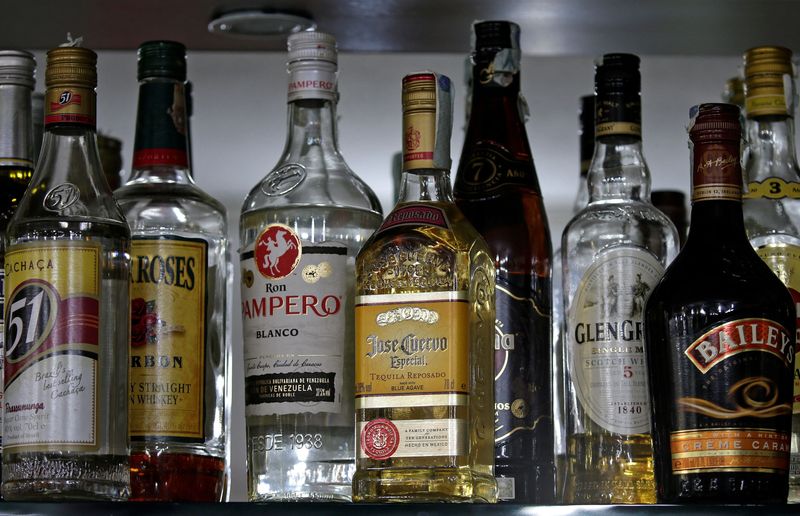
770 148
160 146
618 170
311 131
16 127
427 185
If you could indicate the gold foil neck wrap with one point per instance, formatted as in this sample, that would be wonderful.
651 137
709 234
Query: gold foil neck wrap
71 67
419 93
765 72
427 121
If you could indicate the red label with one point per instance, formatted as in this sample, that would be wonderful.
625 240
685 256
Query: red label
737 337
277 251
380 439
416 214
150 157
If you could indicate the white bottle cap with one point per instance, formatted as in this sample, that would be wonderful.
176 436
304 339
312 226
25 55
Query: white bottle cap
312 45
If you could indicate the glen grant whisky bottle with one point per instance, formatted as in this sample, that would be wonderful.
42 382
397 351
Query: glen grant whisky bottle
301 228
180 274
425 329
720 335
497 190
613 252
772 202
67 328
16 154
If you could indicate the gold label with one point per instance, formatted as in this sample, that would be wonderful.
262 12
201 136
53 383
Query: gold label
70 105
729 450
419 139
167 354
773 104
52 351
609 128
772 188
710 192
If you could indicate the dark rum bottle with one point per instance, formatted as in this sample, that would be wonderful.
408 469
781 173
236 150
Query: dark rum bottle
719 335
497 190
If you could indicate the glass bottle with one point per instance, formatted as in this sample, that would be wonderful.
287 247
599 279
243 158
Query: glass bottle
720 335
67 293
16 155
771 203
301 228
497 190
425 329
586 138
673 204
613 252
180 270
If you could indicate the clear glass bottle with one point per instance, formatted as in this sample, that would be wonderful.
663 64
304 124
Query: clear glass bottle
613 253
17 69
180 280
497 189
771 204
67 293
425 329
301 228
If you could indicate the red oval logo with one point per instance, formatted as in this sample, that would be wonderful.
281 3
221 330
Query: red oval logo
380 439
277 251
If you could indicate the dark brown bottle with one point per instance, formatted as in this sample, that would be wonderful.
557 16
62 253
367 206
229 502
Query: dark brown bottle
673 204
497 189
719 331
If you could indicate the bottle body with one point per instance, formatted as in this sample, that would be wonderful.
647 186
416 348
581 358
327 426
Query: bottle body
67 338
720 336
497 189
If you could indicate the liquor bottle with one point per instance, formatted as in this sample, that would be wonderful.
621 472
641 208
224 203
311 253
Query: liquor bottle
497 190
734 92
16 155
37 113
110 150
613 252
425 329
586 134
771 203
301 228
720 338
179 288
673 204
67 291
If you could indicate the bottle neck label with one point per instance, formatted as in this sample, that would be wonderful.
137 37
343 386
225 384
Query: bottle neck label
70 106
312 82
772 98
618 115
717 172
416 214
161 126
496 70
490 167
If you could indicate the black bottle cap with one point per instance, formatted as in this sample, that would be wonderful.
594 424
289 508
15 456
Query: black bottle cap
495 35
618 74
165 59
716 122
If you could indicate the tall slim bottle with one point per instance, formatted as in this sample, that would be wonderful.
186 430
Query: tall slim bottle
67 298
425 329
613 253
497 189
771 203
180 272
720 331
301 227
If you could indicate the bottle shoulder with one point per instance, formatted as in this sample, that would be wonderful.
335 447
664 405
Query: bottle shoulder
625 219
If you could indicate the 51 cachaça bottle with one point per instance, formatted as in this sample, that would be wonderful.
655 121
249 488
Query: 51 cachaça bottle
180 273
301 228
613 253
497 190
425 329
67 328
720 336
16 154
771 204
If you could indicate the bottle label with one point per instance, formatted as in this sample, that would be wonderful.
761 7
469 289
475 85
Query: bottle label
70 105
605 340
730 405
784 260
312 83
490 168
293 296
161 126
717 172
415 215
771 104
616 114
412 351
168 332
772 188
497 67
521 380
52 355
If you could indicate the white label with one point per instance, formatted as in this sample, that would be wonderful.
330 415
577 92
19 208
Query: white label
605 339
312 83
425 438
294 328
506 488
52 402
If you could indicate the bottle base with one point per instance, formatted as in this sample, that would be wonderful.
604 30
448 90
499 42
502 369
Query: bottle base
528 483
725 488
420 485
176 477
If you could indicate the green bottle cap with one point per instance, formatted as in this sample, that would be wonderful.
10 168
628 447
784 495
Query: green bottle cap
165 59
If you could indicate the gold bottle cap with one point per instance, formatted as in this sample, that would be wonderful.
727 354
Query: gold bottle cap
766 70
734 91
419 92
71 67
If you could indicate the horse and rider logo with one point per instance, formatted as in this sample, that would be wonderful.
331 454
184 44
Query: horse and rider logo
277 251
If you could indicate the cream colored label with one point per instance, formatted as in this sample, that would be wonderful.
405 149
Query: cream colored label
772 188
52 347
420 438
772 104
167 354
608 128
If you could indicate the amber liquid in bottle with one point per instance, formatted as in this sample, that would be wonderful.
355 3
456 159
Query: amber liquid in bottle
497 190
719 336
